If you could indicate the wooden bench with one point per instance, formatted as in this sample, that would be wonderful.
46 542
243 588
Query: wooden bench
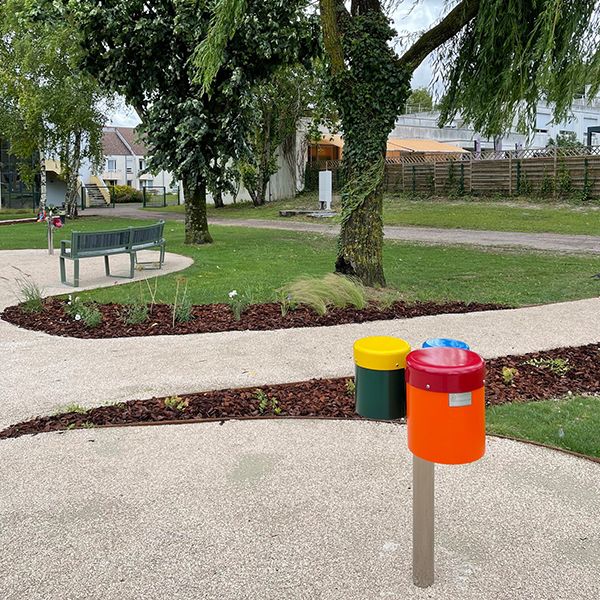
85 244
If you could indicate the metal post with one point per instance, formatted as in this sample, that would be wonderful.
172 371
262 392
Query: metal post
423 521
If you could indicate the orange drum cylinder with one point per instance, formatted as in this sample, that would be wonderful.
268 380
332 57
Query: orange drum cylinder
445 399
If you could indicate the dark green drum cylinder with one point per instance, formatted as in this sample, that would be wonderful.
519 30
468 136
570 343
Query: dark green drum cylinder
380 394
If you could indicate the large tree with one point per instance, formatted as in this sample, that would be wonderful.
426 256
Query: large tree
143 49
48 106
496 59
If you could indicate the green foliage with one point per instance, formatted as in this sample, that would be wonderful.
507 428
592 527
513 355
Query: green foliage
182 308
136 313
30 294
146 52
566 139
48 103
509 374
87 312
322 293
564 181
176 403
514 53
558 366
350 387
239 303
126 193
547 188
71 408
267 404
420 100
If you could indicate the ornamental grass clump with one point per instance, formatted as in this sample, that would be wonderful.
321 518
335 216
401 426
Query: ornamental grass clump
320 294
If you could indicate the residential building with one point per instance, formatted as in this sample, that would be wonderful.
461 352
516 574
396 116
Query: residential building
126 161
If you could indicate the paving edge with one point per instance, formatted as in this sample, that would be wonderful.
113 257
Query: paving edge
223 420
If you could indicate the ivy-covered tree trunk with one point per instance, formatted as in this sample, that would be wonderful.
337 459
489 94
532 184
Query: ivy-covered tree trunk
196 223
217 197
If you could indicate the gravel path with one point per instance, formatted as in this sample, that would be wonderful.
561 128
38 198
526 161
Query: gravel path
554 242
280 510
41 373
271 509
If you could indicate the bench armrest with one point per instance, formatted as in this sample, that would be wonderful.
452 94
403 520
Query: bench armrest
63 245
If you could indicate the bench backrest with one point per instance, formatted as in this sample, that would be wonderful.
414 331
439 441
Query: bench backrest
147 234
83 242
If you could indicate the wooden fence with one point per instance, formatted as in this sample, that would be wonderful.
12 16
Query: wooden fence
550 172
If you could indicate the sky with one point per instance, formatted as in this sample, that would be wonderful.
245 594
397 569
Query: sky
409 18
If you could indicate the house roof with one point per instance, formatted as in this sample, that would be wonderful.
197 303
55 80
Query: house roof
122 141
403 145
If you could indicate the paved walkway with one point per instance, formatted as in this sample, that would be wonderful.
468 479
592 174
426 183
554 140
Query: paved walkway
271 509
50 371
282 510
553 242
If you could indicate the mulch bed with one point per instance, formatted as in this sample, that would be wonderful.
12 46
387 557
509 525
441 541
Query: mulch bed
327 398
210 318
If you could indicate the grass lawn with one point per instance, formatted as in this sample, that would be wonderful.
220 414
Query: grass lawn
257 262
450 214
8 214
572 423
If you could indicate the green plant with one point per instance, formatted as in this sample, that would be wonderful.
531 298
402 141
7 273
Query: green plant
87 312
31 297
547 188
320 293
126 193
564 183
239 303
350 387
266 403
135 314
558 366
71 408
182 307
176 403
509 374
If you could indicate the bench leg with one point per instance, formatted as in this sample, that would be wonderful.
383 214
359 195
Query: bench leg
162 255
63 271
76 273
132 260
106 266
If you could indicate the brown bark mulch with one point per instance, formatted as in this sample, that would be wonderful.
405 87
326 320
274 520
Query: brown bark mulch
327 398
211 318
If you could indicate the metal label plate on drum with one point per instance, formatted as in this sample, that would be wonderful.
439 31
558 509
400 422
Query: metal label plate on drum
460 399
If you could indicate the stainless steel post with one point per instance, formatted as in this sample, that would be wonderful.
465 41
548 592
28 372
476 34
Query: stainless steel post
423 521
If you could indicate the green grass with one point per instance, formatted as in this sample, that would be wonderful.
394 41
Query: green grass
572 423
480 213
8 214
257 262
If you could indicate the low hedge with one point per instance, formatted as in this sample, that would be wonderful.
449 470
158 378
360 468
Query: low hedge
126 193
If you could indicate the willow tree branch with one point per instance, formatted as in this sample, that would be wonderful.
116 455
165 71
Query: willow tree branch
446 29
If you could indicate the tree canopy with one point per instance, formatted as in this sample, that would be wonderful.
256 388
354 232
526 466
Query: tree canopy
144 50
48 105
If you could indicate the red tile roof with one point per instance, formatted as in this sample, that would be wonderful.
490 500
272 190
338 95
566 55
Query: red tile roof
113 145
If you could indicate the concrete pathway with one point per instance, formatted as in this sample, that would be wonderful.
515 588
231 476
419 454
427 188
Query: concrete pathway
301 510
553 242
40 372
271 509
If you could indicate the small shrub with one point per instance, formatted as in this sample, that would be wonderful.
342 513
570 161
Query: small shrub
509 374
71 408
558 366
126 193
176 403
265 403
135 314
564 184
239 303
82 311
350 387
324 292
32 300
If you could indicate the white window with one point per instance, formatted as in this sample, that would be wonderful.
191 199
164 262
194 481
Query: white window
148 182
111 164
129 164
142 164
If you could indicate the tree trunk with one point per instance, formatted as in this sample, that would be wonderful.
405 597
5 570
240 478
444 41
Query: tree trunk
196 223
360 245
218 199
73 177
43 184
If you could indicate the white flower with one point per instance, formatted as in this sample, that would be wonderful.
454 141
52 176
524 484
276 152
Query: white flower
70 298
78 317
233 293
69 303
77 299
